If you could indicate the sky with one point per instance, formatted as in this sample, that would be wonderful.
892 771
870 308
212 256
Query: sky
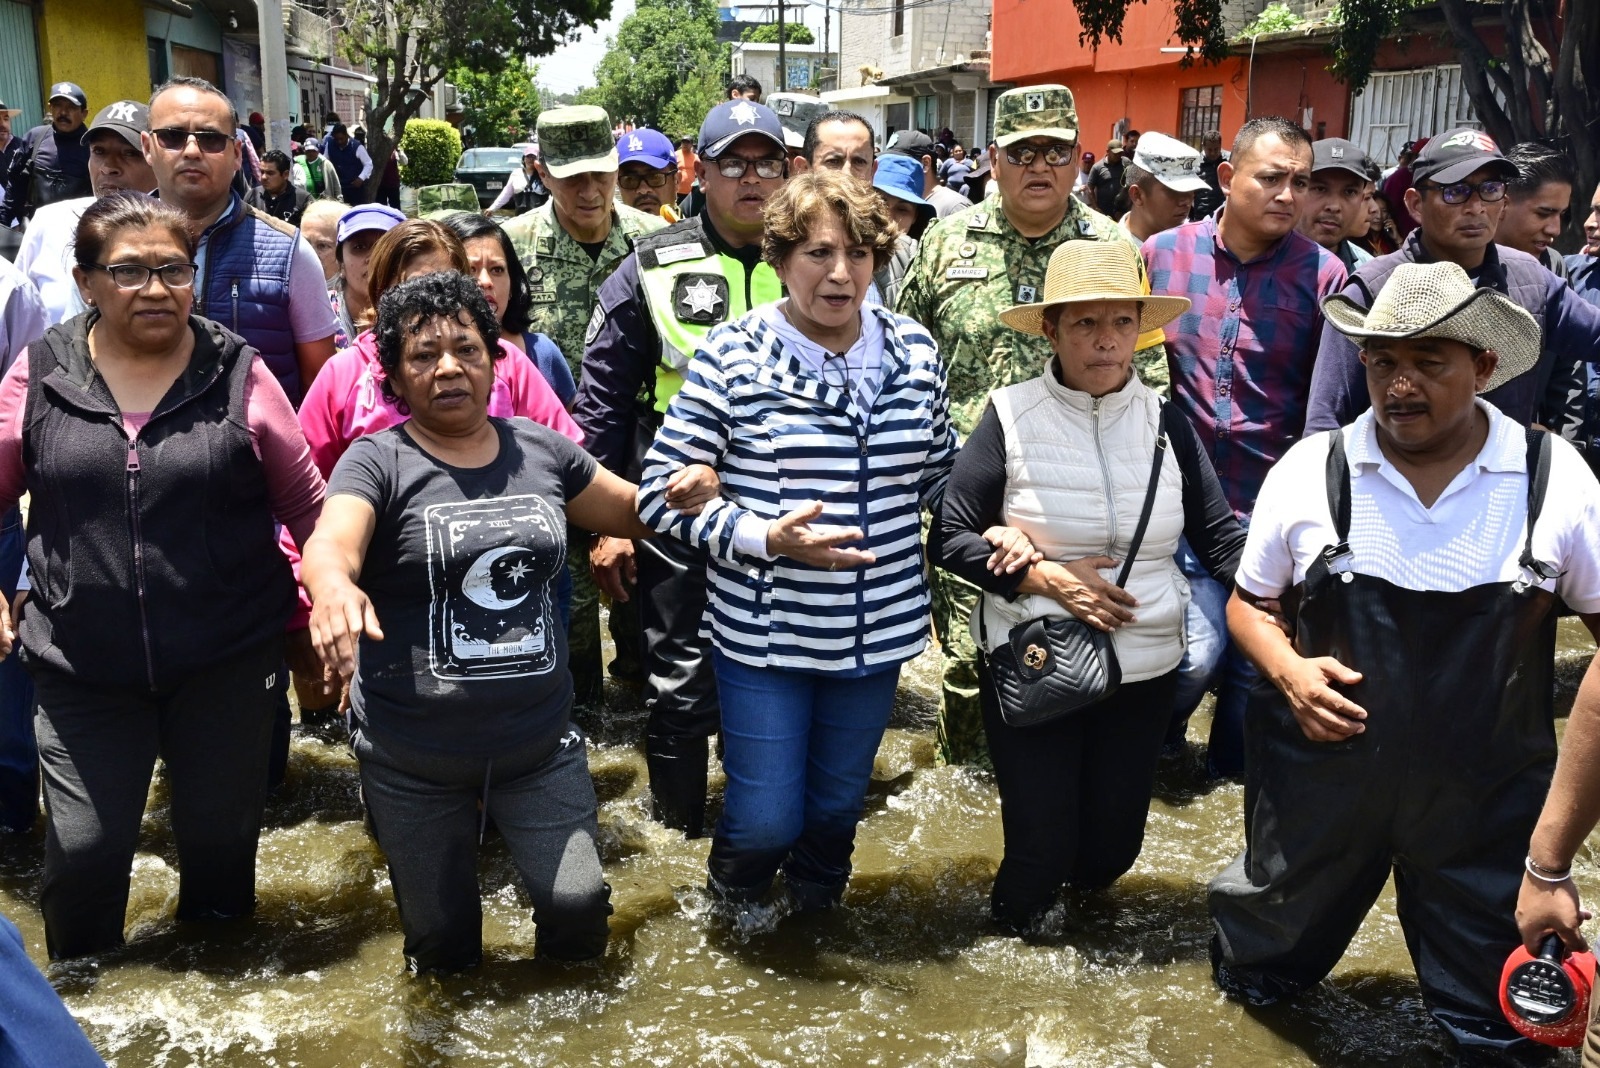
571 67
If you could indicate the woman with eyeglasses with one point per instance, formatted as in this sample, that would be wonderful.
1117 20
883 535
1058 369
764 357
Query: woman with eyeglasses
158 450
828 423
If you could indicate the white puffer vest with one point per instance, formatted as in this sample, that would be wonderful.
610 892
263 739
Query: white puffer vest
1076 471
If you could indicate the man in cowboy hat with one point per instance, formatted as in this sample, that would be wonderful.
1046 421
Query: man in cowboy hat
1418 553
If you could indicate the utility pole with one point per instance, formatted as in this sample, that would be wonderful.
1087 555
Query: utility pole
783 66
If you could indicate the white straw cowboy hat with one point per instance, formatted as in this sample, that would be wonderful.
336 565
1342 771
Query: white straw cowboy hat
1082 271
1439 300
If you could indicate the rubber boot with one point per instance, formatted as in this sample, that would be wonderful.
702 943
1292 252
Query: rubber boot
678 783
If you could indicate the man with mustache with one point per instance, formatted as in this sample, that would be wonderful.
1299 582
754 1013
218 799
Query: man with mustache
1241 360
651 316
53 163
1336 199
647 173
568 247
1458 193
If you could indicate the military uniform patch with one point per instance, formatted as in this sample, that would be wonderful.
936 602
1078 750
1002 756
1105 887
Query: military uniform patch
1034 101
1027 294
967 251
535 275
700 298
978 221
967 272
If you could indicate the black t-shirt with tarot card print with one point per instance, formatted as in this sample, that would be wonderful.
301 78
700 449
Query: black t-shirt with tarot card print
462 573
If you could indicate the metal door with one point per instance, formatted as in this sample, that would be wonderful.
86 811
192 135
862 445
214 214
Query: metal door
19 65
1403 105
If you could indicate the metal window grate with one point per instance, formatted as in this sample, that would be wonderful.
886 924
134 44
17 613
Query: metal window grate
1200 109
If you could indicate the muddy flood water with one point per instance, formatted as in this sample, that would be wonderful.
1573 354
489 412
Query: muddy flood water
909 972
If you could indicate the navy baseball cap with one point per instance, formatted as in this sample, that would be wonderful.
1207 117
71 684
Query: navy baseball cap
733 119
645 146
380 217
901 177
68 91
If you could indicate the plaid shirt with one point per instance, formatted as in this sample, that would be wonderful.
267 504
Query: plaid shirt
1241 356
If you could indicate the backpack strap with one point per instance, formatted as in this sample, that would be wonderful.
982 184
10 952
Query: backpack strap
1538 464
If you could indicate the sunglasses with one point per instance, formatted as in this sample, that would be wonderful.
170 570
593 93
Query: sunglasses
734 167
1460 192
1057 155
175 140
655 179
132 276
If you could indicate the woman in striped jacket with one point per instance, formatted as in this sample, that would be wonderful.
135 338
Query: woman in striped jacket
828 423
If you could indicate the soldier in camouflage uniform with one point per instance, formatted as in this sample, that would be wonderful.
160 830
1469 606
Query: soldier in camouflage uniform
970 266
568 247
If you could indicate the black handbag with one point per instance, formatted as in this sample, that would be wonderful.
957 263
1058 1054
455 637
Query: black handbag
1049 667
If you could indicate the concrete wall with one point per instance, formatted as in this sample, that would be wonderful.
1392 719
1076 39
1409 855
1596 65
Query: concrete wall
100 44
934 36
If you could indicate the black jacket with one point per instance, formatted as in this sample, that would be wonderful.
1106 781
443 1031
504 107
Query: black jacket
152 557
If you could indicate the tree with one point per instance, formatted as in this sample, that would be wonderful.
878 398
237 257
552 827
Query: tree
410 45
683 116
501 106
1540 57
767 33
657 50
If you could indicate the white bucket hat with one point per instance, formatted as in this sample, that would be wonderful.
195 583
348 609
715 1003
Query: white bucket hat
1082 271
1439 300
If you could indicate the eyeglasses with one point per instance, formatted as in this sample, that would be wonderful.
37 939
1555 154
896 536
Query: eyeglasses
1058 154
175 140
657 179
735 167
1460 192
133 276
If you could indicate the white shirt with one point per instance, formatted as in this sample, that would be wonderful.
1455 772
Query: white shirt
1472 535
516 182
47 256
22 314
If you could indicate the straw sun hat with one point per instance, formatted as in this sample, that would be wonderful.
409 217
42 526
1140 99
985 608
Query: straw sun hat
1082 271
1439 300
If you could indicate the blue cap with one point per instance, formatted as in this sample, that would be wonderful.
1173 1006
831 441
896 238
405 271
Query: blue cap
733 119
380 217
649 147
901 178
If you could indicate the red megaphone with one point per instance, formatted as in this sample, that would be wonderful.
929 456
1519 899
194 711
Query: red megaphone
1546 998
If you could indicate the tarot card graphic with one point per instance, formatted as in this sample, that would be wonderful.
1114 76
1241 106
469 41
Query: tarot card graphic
490 567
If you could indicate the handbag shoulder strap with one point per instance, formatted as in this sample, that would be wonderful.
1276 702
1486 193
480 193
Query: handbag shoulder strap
1538 464
1149 494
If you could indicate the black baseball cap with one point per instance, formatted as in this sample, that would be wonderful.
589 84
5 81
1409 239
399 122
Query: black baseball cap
913 143
1455 154
128 118
1337 154
68 91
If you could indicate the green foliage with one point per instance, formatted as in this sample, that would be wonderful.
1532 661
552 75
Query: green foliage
683 116
658 49
767 33
1274 18
432 147
1363 24
501 105
1197 24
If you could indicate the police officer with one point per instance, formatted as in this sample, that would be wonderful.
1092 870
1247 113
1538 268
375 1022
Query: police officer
969 267
568 247
53 164
652 315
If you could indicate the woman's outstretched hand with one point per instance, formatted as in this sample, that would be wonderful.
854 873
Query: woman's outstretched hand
794 536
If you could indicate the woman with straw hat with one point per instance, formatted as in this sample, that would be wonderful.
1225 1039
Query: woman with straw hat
1103 479
1406 722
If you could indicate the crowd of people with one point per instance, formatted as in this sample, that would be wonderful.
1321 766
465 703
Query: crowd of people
1120 433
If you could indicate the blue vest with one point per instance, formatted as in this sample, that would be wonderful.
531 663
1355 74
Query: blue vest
245 287
344 160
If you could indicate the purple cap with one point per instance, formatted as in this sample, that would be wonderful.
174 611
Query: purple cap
380 217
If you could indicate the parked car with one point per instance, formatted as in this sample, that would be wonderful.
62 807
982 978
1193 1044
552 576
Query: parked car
486 169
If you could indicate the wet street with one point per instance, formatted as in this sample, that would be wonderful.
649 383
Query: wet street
909 972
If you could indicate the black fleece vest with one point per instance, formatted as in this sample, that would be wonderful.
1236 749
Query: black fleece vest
151 557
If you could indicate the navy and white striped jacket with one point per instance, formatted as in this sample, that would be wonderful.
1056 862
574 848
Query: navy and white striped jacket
779 438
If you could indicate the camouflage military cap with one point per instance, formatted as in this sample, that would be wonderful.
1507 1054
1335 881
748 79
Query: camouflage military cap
1035 111
576 139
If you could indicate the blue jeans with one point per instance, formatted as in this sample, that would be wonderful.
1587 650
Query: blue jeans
798 751
1210 661
19 757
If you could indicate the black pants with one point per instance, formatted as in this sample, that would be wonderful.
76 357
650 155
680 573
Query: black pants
1074 793
424 806
97 750
680 686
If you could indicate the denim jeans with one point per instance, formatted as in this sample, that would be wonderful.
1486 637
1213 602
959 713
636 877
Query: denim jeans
798 751
1210 661
19 757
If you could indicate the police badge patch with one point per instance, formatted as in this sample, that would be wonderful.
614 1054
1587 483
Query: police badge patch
596 321
700 298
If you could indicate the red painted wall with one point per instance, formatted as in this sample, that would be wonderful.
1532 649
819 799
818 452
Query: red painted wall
1287 83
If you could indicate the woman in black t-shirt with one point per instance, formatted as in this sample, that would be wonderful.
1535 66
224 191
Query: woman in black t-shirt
454 524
